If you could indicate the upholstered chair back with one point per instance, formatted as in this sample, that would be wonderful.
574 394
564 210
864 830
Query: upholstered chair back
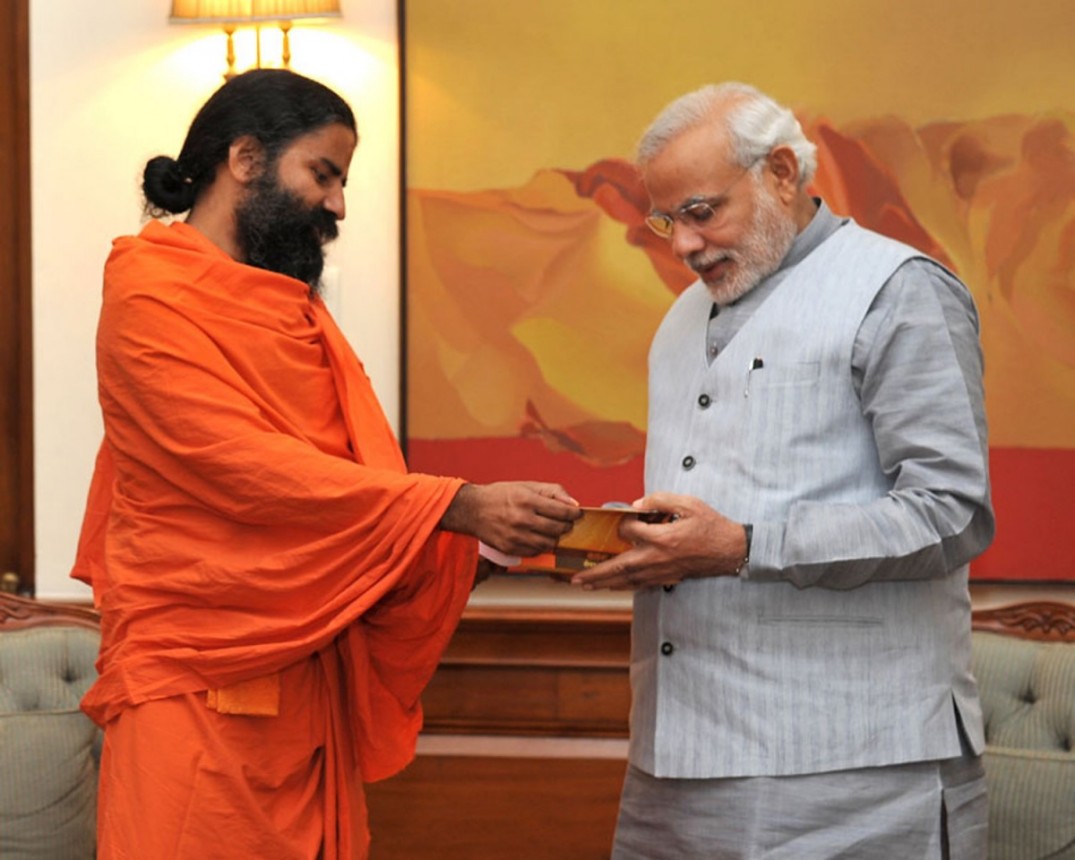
49 749
1024 660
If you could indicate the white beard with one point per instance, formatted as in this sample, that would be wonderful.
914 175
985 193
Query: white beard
758 255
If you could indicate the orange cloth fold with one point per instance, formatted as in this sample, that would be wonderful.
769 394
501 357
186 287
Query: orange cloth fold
251 509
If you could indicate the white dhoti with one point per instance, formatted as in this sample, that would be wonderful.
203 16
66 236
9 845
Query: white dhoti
924 810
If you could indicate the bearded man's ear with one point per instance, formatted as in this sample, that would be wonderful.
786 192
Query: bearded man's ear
246 159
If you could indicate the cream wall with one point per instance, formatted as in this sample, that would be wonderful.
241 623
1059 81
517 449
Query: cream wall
113 84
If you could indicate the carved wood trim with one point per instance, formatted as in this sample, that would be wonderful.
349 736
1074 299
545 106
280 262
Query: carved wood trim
21 613
1042 620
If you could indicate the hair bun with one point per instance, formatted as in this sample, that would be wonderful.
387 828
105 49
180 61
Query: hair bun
165 186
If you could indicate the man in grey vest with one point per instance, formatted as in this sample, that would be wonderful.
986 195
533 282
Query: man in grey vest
801 642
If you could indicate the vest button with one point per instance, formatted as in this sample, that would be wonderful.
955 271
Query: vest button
667 648
704 400
688 462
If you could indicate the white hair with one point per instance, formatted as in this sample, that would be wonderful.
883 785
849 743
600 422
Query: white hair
754 122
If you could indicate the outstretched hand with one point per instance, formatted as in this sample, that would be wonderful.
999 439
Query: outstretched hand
694 541
521 518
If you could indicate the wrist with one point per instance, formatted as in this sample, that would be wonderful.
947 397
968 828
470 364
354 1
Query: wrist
459 513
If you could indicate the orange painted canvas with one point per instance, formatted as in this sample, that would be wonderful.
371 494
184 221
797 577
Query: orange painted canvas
532 286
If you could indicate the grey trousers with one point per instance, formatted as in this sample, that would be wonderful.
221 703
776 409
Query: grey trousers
921 811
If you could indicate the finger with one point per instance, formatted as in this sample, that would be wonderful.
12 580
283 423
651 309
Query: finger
621 583
607 574
548 491
559 509
646 503
528 543
659 508
542 531
633 529
634 578
555 491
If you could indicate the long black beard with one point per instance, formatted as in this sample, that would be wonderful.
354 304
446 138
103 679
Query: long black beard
277 231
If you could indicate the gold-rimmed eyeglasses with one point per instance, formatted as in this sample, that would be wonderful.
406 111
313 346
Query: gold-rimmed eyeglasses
697 212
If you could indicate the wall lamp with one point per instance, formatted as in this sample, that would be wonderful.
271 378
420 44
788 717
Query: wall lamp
231 14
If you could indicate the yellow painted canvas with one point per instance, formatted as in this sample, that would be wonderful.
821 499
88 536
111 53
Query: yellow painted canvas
532 286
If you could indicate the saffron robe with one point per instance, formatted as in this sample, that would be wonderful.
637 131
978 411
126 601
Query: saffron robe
274 593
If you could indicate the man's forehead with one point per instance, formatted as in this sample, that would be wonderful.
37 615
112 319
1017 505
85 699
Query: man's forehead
707 141
332 145
696 158
335 135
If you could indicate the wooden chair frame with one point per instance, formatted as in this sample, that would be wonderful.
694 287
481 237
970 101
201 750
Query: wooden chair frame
1039 620
20 613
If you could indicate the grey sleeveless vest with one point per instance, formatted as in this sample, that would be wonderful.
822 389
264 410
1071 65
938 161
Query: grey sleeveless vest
739 678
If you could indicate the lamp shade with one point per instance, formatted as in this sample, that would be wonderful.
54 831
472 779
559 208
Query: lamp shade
241 11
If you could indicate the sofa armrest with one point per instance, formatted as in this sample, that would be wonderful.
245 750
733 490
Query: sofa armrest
1031 804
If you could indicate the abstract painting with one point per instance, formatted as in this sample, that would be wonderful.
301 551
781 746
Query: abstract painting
532 286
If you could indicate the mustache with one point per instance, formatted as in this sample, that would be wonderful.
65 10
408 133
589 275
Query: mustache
325 225
699 261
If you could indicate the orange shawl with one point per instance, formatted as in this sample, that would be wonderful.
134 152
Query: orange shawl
250 505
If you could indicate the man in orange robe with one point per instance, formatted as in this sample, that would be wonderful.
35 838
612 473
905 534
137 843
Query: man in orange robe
275 589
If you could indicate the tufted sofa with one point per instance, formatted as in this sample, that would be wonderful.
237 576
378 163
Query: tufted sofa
48 748
1024 660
